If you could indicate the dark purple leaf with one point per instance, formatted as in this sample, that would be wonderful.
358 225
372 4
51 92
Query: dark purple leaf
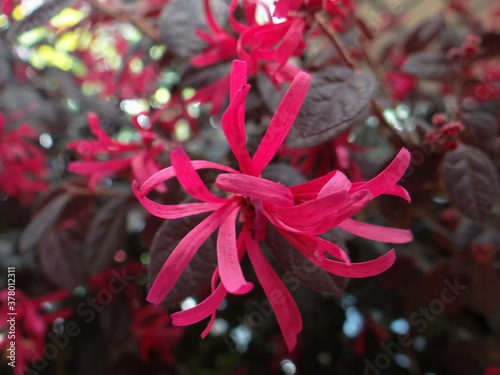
484 287
198 273
336 96
466 232
471 181
271 96
61 257
429 65
43 221
284 174
302 269
470 356
480 131
38 17
490 44
201 77
106 235
424 34
180 18
115 322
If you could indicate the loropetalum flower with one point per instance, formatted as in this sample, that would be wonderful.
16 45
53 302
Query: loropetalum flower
106 157
300 213
31 321
23 165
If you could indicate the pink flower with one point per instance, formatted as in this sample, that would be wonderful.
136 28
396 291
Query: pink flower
31 325
299 213
264 47
151 326
139 156
22 164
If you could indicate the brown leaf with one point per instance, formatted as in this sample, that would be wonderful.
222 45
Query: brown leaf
471 180
429 65
180 18
424 34
336 96
480 131
43 221
106 235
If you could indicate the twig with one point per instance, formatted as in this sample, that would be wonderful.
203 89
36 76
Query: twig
377 108
140 23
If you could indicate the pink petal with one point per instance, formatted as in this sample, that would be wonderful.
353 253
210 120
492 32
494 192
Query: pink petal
184 252
310 189
168 173
281 123
359 200
201 310
227 257
95 166
255 187
290 41
284 306
315 216
375 232
189 179
361 269
386 179
233 122
338 182
166 211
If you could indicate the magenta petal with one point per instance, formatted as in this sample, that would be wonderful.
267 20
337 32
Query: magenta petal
375 232
386 179
362 269
184 252
201 310
284 306
94 166
290 41
168 173
227 257
189 179
310 189
338 182
233 125
255 187
176 211
281 122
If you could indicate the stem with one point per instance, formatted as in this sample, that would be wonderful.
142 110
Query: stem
140 23
394 135
332 35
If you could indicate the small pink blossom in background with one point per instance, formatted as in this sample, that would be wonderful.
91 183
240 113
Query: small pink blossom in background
299 213
23 165
32 321
105 157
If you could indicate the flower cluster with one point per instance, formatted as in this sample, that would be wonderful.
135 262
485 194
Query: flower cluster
31 321
23 166
105 157
300 213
